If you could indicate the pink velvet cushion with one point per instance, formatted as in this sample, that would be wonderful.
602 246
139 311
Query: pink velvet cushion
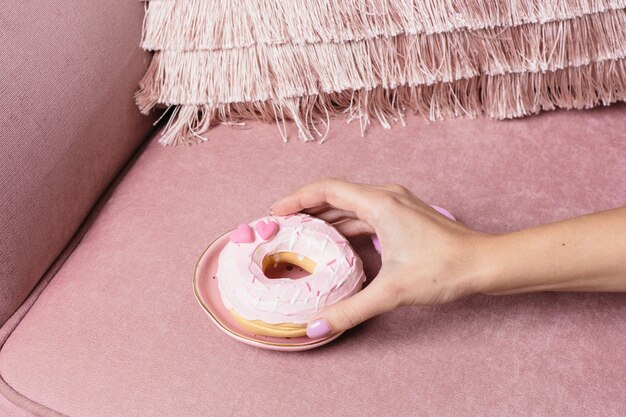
118 331
9 409
68 123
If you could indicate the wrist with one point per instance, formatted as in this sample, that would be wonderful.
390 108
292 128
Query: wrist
483 270
500 265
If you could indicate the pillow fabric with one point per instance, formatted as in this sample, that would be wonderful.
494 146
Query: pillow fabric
308 61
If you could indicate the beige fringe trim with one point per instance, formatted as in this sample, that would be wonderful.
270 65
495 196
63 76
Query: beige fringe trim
223 24
499 96
277 72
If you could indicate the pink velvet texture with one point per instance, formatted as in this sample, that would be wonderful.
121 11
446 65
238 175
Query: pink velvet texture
118 331
9 409
68 123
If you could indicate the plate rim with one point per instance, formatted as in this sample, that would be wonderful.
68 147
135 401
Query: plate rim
236 335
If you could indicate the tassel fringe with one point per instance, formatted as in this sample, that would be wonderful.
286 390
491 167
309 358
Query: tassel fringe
278 72
224 24
221 61
498 96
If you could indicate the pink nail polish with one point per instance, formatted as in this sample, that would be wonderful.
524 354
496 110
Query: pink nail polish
318 328
376 243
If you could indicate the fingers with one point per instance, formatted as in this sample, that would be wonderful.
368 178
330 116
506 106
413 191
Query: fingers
354 227
371 301
343 195
344 221
313 211
333 215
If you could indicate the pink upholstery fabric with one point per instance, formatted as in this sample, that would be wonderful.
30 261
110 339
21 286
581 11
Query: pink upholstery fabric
9 409
68 71
118 330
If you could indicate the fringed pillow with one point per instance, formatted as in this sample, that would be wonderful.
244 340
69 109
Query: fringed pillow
307 61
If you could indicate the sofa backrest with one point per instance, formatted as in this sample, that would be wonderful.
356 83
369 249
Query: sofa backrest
68 123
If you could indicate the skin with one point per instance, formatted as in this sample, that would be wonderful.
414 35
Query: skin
429 259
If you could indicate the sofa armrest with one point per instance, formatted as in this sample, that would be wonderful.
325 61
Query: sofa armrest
68 72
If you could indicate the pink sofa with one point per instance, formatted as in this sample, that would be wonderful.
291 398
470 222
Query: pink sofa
101 228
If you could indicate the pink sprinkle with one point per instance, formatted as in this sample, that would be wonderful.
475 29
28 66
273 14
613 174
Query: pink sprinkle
317 294
350 261
340 242
332 262
308 286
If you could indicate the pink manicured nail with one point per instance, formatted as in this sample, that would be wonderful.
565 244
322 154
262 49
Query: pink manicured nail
376 243
318 328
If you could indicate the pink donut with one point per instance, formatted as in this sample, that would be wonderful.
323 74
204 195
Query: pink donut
282 306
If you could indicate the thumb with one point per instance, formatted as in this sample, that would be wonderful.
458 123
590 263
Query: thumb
373 300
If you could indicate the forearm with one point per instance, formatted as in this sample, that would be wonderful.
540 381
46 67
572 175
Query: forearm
586 253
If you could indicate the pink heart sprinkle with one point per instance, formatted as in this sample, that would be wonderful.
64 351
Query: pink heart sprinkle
266 229
243 234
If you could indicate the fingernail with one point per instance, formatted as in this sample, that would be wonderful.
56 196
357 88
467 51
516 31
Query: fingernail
318 328
376 243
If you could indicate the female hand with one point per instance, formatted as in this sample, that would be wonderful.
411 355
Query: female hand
425 256
429 259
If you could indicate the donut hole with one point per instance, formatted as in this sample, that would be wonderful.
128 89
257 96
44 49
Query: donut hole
285 270
287 265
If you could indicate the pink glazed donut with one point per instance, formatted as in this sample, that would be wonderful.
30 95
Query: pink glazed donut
281 307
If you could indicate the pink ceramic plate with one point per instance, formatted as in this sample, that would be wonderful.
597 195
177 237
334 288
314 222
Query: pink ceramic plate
208 295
